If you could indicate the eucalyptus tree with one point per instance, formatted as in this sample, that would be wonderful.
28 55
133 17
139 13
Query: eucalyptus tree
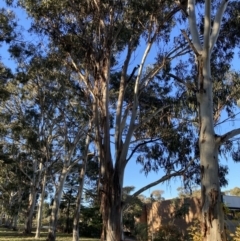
8 26
7 35
93 34
209 87
61 124
12 142
13 190
234 192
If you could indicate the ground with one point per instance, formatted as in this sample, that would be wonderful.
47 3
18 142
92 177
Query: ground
10 235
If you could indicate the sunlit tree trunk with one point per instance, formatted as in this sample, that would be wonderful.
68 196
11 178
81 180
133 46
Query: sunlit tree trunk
76 216
40 206
212 212
56 204
35 181
30 210
110 184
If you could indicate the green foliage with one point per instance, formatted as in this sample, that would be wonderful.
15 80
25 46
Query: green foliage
5 75
236 236
194 192
194 231
7 26
168 232
234 192
156 195
141 232
90 222
19 236
180 210
132 209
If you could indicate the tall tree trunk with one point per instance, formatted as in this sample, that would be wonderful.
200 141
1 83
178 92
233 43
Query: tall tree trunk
114 232
15 219
212 212
30 210
40 206
111 207
55 208
76 216
35 182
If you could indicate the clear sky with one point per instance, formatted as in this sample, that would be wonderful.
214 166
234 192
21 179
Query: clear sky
133 176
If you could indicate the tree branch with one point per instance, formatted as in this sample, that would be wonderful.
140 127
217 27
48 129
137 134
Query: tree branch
118 130
207 26
82 77
217 24
135 102
151 75
150 117
193 25
138 145
228 136
162 179
190 43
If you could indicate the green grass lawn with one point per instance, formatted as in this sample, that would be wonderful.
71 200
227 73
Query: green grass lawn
9 235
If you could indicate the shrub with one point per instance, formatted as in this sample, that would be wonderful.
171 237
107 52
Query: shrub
169 232
194 231
236 236
141 232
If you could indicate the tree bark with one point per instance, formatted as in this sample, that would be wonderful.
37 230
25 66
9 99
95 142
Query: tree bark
30 210
55 208
114 232
113 205
40 206
212 212
67 227
76 216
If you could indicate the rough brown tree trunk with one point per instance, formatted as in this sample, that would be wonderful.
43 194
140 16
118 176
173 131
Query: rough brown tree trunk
112 207
114 222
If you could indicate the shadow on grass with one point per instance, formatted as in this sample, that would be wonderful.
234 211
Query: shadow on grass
10 235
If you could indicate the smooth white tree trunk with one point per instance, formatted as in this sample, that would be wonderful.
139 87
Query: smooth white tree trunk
76 216
30 210
212 212
55 207
40 206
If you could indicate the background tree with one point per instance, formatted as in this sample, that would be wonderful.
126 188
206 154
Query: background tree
89 34
234 192
131 211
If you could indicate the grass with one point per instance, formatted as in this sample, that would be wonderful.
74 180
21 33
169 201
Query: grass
9 235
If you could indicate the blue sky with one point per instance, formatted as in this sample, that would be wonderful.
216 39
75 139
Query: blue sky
133 176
